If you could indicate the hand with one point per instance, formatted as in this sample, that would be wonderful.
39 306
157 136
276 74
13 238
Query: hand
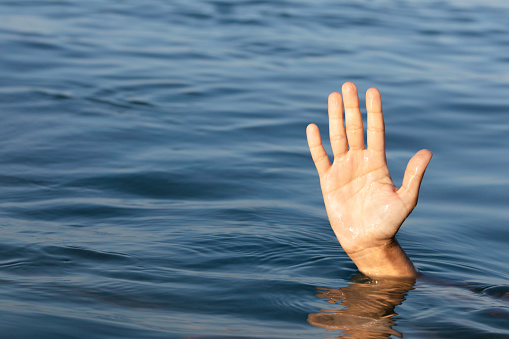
364 206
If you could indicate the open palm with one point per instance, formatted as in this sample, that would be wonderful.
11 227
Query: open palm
364 206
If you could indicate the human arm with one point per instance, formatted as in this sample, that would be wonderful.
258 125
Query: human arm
364 207
367 307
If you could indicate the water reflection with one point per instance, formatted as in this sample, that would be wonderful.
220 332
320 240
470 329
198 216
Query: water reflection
368 307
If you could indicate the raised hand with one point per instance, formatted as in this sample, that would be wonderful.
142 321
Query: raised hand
364 206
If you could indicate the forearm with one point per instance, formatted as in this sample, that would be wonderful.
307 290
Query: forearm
389 260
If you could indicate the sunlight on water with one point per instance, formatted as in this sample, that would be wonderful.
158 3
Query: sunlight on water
156 180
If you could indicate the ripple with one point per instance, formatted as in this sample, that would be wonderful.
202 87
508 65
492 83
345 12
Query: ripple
161 185
156 180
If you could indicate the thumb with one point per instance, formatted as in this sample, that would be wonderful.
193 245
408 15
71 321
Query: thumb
409 191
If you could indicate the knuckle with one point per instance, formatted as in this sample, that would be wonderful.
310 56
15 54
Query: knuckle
353 129
321 157
338 137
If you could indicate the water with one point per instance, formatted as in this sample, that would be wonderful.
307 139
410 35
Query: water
156 180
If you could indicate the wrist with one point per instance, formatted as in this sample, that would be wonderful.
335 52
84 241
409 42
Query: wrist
386 260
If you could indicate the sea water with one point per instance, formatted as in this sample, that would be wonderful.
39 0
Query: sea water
155 180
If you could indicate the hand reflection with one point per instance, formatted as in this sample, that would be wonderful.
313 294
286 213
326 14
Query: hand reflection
368 307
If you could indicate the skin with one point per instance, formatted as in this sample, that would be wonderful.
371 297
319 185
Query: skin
367 310
364 207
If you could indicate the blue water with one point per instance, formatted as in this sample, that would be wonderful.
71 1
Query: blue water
156 183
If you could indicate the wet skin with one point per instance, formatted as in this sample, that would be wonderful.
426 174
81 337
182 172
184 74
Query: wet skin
364 207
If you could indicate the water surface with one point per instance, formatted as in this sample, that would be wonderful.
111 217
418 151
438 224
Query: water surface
156 180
